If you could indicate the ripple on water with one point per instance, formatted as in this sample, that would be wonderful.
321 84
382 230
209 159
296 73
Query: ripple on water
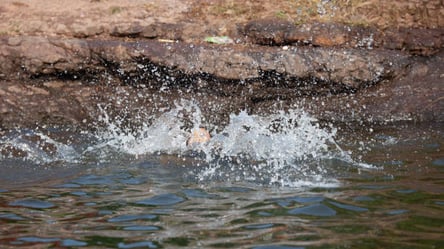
140 244
68 185
133 181
438 162
314 210
32 239
285 202
133 217
79 193
264 214
93 180
63 242
141 228
363 199
32 203
162 200
11 217
348 207
406 191
73 243
259 226
397 212
277 247
198 193
236 189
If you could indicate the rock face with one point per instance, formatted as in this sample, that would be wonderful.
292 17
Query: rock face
346 69
337 72
64 80
281 32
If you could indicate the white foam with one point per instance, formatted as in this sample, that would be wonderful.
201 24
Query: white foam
284 148
36 150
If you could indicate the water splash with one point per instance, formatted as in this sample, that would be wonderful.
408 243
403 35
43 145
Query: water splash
286 148
166 133
36 147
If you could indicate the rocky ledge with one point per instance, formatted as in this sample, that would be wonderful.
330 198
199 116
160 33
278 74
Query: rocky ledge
337 72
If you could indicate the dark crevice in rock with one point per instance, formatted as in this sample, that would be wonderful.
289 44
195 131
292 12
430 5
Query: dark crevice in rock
306 86
81 75
65 79
269 85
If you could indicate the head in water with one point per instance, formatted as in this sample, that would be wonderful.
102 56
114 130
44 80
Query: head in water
198 136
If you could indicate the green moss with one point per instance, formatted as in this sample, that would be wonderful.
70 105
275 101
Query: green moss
281 14
115 9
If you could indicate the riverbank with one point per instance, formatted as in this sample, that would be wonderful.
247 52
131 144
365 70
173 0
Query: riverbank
62 62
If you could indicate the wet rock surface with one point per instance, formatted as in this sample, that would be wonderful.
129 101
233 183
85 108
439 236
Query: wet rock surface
135 69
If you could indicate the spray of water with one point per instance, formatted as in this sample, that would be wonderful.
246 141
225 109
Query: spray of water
36 147
287 148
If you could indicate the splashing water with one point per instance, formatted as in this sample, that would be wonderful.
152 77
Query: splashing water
36 147
287 148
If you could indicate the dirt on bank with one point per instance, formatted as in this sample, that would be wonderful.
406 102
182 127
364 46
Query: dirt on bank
343 61
203 17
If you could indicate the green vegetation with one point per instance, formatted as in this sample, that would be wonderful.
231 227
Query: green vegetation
115 10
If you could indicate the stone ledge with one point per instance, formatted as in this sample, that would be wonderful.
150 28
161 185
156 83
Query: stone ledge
65 80
134 62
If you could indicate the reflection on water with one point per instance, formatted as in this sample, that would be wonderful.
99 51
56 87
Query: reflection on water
158 199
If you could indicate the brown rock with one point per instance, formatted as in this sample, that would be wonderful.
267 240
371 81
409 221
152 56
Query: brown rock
126 30
268 31
279 32
162 30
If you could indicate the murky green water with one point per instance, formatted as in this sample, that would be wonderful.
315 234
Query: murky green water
155 201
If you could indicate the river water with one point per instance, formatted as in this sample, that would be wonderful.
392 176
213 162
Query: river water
283 180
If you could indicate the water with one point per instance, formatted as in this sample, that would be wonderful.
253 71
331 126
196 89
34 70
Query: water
283 180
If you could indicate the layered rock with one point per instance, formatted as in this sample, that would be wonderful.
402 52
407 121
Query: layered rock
54 80
135 61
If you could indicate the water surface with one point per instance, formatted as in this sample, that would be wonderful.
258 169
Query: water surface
331 187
